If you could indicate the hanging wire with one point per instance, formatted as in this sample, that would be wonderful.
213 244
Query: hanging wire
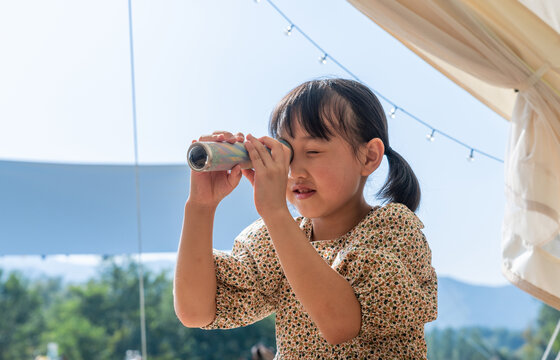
137 182
394 109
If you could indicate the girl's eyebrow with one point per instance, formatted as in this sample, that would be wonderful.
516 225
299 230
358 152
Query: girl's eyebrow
315 141
312 138
306 138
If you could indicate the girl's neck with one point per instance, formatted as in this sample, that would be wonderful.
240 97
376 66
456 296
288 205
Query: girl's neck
337 224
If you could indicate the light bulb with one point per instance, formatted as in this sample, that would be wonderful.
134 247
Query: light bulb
323 59
430 137
471 156
393 111
288 30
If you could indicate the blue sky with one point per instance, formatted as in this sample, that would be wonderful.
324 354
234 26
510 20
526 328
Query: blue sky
65 97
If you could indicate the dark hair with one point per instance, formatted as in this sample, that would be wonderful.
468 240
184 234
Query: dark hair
352 109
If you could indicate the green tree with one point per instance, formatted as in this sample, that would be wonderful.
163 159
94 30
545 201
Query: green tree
100 319
473 343
538 336
104 314
76 336
22 322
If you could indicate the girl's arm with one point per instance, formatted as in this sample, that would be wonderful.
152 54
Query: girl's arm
326 296
194 286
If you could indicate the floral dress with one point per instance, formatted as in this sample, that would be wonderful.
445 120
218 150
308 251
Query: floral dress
385 258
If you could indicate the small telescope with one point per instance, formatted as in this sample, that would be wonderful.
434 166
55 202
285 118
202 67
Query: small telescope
220 156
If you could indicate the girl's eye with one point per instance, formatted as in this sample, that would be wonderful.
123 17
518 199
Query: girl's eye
312 152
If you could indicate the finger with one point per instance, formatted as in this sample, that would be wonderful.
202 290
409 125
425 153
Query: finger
219 138
240 137
213 137
279 152
254 154
288 149
218 132
221 135
250 175
277 149
261 149
230 138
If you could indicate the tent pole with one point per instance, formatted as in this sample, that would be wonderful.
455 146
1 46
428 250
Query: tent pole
551 341
137 181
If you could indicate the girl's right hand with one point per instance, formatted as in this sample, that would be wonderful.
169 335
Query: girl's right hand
210 187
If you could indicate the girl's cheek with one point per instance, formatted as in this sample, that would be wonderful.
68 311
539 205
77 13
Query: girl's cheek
324 169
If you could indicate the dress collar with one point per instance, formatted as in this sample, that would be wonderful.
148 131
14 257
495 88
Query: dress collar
307 226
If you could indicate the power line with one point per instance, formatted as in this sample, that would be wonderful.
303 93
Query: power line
325 56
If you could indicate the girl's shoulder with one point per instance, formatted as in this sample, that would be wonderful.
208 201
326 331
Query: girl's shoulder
384 226
394 214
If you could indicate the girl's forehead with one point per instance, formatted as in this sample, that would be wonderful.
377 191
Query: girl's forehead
295 130
299 133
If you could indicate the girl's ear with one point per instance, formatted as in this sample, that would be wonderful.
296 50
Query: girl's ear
372 156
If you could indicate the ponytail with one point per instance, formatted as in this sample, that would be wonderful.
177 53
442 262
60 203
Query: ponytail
402 185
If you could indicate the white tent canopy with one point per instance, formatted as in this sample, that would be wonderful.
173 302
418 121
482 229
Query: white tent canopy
506 53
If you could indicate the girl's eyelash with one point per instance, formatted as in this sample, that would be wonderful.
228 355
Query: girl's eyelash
312 152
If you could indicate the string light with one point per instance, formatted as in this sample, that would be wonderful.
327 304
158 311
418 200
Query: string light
289 29
393 112
323 60
471 156
430 137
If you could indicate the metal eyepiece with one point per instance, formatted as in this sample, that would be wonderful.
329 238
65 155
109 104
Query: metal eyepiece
197 157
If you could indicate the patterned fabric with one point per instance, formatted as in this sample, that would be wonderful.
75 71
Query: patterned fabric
385 258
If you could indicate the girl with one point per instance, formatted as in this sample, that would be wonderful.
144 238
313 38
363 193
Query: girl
346 280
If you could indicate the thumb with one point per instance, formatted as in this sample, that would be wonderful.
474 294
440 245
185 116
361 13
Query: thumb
250 175
234 176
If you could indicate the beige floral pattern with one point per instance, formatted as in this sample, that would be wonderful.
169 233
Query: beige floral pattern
385 258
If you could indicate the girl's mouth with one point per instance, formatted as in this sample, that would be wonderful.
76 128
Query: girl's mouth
302 194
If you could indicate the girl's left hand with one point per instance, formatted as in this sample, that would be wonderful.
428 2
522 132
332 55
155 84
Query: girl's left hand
270 175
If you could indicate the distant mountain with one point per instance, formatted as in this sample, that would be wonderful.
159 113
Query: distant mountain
461 304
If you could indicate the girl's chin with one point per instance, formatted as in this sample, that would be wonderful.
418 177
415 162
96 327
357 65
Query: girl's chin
307 212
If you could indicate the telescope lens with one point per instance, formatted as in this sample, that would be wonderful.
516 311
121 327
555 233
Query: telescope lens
198 157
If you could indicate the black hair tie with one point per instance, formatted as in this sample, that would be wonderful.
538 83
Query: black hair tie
388 151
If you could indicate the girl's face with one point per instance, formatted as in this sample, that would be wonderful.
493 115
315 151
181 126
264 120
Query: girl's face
325 177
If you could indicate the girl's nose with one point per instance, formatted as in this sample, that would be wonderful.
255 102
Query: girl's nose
297 169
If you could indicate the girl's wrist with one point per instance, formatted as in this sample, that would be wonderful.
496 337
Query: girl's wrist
277 216
200 206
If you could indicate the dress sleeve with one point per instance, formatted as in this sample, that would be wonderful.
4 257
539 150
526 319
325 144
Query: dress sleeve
393 298
247 280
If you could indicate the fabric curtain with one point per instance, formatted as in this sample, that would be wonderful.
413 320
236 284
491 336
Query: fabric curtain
457 34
